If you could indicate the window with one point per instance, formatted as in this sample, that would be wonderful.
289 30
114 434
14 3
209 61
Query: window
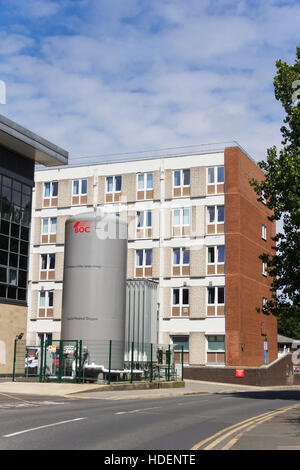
215 301
181 345
113 188
215 219
15 210
46 304
264 269
47 271
144 224
180 302
50 194
144 186
49 230
181 222
181 182
263 232
143 263
215 179
215 259
216 349
79 192
181 262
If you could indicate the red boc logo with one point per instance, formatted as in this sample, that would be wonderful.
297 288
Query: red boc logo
80 227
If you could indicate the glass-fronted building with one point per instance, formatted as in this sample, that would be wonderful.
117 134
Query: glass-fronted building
20 150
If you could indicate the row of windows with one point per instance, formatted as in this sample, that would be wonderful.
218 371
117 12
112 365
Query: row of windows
144 182
215 348
181 256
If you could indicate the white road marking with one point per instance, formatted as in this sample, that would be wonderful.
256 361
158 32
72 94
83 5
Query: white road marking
136 411
42 427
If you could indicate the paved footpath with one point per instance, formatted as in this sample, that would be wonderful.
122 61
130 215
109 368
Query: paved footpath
100 391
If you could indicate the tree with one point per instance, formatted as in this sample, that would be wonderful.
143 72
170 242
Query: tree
280 190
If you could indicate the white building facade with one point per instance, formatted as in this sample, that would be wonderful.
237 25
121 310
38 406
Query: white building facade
174 207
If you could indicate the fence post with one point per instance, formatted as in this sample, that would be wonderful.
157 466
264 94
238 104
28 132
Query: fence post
169 361
151 366
131 365
14 364
182 362
109 362
80 361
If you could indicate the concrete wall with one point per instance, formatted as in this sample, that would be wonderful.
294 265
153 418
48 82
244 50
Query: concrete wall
13 321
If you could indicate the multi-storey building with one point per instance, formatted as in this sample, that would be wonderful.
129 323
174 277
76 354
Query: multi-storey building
194 225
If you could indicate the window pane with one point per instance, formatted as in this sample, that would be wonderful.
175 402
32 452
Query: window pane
140 219
186 256
176 256
53 225
47 190
176 217
220 174
109 184
175 296
141 182
186 177
177 178
211 175
211 296
149 180
54 189
50 298
45 226
211 214
179 342
220 213
139 257
42 299
118 183
84 187
148 257
52 261
216 343
2 274
211 254
43 261
149 218
221 254
221 297
12 277
185 296
76 187
186 216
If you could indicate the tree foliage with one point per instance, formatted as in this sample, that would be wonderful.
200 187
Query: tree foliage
280 190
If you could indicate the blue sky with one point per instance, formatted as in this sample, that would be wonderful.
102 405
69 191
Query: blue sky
112 76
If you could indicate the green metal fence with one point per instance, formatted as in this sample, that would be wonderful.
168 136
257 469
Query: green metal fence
97 361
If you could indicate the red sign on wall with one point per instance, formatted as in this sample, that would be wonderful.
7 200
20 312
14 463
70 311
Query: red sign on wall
239 373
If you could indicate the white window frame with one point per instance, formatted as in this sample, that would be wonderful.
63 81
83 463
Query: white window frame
145 178
50 197
80 192
47 269
264 269
181 305
46 307
143 266
114 190
215 170
144 227
215 304
215 222
181 253
264 232
216 262
181 218
215 351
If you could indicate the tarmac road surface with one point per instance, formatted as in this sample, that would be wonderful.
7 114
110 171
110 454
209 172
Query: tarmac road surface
188 422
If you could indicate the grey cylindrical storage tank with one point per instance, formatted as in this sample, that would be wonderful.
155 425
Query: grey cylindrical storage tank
94 288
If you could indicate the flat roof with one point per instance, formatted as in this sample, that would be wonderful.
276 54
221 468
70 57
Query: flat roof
30 145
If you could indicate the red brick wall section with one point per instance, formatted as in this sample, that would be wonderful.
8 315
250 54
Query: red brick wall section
246 329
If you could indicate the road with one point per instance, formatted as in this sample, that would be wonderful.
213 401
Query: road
172 423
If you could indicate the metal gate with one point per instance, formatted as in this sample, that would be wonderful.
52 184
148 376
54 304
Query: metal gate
61 361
